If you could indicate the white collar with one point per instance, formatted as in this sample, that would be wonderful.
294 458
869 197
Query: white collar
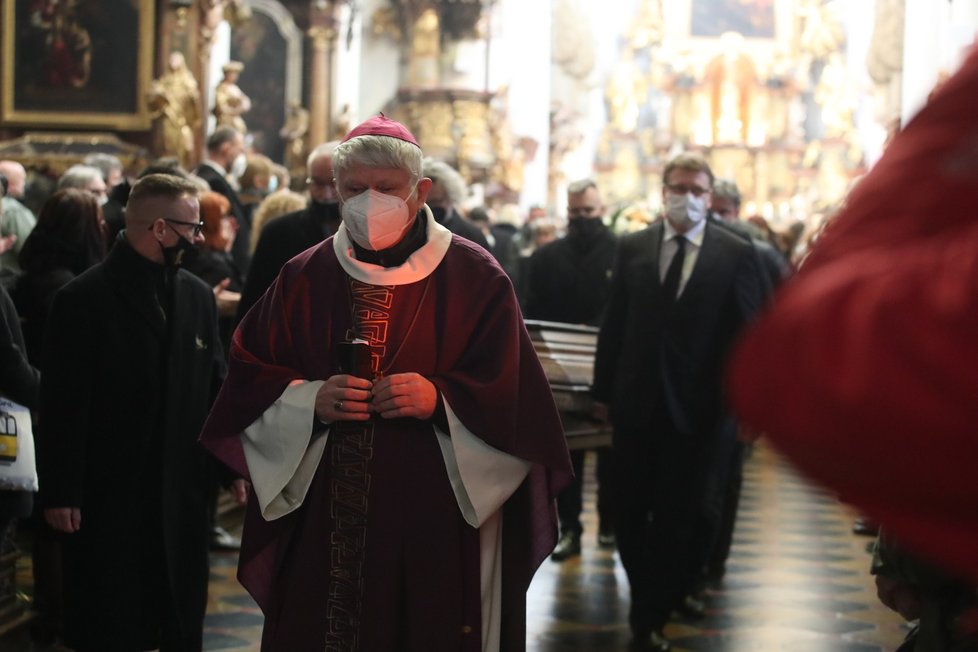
418 265
214 164
694 235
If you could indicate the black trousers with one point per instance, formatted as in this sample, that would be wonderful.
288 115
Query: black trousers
570 501
667 515
717 561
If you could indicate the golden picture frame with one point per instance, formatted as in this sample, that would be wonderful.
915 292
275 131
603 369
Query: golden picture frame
84 64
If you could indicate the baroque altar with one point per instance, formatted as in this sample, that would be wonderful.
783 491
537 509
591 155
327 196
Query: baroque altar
760 88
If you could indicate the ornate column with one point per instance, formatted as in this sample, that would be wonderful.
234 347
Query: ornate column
322 35
446 107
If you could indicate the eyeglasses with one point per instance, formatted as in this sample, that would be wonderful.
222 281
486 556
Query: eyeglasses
318 183
680 189
198 226
582 210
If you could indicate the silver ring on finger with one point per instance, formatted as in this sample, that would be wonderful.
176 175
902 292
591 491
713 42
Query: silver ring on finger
338 405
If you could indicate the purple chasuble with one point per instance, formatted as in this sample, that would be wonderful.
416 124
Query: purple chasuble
379 557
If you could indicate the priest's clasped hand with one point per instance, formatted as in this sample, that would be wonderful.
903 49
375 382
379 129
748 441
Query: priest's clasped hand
343 398
404 395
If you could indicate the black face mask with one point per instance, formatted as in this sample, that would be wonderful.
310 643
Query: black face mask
184 252
584 229
326 211
439 212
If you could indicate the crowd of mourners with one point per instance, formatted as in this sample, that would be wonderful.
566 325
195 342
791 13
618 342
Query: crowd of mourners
345 354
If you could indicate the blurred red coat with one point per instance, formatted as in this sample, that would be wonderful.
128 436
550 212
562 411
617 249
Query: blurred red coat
864 371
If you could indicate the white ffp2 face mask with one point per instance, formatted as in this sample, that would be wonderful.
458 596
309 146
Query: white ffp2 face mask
685 211
376 221
238 165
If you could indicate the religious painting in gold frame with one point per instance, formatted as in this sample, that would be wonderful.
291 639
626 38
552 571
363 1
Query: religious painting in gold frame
749 18
80 63
765 25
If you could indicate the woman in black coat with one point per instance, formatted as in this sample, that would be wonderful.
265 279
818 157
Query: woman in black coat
214 264
70 237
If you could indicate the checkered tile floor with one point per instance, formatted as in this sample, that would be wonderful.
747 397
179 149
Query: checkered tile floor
797 581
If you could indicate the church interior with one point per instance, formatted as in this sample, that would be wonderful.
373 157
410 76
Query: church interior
792 100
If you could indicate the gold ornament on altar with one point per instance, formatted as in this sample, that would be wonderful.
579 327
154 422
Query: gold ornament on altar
625 93
425 54
731 78
173 100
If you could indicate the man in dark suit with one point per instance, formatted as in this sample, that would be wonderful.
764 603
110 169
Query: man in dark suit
223 163
568 280
725 203
681 291
121 472
285 237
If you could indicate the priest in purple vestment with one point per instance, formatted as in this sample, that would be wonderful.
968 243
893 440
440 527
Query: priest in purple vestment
405 502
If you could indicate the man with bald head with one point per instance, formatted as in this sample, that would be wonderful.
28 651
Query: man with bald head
17 220
132 359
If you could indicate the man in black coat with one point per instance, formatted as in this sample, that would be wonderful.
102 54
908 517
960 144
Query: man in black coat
225 160
725 203
132 360
288 236
447 192
569 280
681 291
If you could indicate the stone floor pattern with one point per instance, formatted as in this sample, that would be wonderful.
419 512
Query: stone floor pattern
797 581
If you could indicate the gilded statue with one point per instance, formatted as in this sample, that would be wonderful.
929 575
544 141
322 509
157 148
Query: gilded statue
173 100
230 102
294 132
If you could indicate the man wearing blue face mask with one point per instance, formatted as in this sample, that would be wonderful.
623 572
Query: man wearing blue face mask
681 291
385 400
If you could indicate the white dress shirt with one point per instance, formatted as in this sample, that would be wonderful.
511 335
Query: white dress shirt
694 242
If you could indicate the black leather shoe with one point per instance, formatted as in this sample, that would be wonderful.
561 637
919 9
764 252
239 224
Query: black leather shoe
865 527
223 540
654 642
659 642
606 538
568 546
692 607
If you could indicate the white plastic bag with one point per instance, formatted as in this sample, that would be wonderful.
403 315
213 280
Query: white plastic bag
18 471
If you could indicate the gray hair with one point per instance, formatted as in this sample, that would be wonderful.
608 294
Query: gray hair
221 135
581 186
325 149
378 152
726 189
444 174
104 162
79 176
